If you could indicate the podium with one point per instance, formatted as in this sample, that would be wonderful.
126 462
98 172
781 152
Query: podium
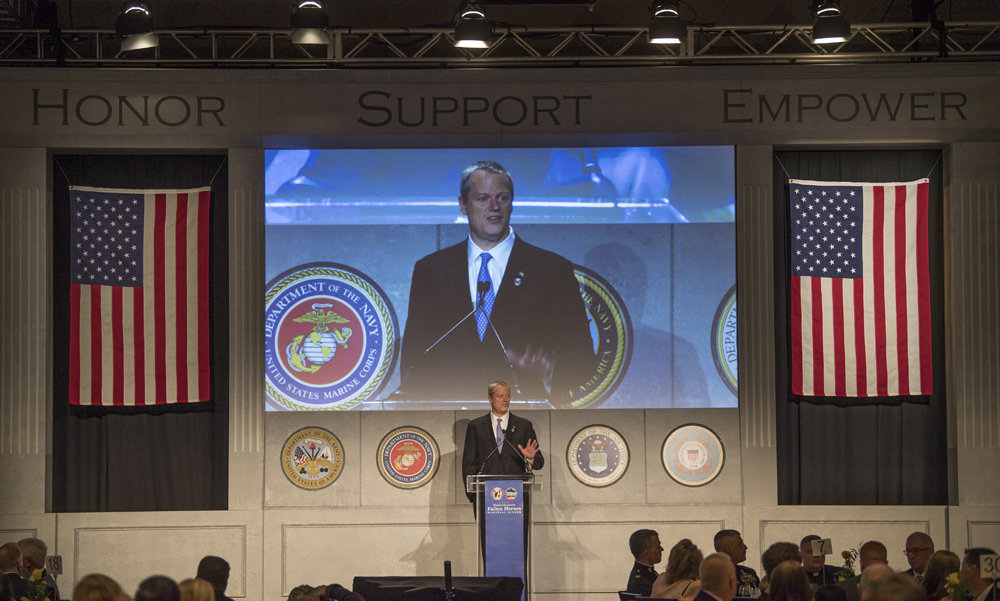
503 519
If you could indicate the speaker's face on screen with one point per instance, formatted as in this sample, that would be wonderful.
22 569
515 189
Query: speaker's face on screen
488 204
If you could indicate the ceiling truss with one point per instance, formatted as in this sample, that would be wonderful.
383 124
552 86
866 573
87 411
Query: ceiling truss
512 47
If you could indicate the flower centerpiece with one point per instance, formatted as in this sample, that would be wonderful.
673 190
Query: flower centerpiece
957 591
37 588
850 556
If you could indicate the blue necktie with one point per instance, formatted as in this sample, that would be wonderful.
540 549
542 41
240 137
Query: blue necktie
499 434
483 314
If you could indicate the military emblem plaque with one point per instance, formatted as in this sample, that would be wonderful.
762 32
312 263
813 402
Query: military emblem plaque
598 456
408 457
693 455
312 458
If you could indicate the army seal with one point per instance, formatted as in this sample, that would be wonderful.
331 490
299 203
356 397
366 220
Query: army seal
330 338
724 341
408 457
312 458
693 455
611 333
598 456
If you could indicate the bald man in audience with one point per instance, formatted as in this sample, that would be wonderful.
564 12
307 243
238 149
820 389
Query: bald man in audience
919 548
870 578
10 566
900 587
870 553
718 578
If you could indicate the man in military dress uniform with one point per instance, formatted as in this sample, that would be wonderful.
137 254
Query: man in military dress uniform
646 548
731 543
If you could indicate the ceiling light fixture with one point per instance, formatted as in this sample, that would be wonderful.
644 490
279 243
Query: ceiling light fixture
310 23
666 26
135 23
830 26
472 29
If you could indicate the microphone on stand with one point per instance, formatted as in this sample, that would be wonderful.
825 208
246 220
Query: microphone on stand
481 289
449 594
513 374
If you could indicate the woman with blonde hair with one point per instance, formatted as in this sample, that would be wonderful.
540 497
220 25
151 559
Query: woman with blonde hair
196 589
789 583
98 587
940 564
680 579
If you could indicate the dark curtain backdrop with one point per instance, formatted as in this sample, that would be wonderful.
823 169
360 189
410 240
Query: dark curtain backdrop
844 451
161 458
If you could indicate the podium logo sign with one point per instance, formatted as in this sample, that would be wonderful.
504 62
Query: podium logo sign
693 455
330 338
312 458
598 456
408 457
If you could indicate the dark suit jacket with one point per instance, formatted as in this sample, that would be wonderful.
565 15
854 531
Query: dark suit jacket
480 455
704 596
640 579
538 304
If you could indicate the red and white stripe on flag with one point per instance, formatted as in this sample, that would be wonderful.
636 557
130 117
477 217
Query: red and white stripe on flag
139 296
860 289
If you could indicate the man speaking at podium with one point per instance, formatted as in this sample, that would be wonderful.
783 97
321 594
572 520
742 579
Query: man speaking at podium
499 442
523 313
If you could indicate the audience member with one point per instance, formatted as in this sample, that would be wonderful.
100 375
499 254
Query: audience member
774 555
304 592
10 566
196 589
33 554
215 571
869 553
870 577
5 592
832 592
158 588
647 551
919 548
98 587
680 579
789 583
899 587
731 543
982 589
939 566
718 578
335 592
818 573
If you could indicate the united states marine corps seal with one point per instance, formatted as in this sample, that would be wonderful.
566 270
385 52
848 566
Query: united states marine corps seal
611 332
693 455
597 456
312 458
330 338
408 457
724 341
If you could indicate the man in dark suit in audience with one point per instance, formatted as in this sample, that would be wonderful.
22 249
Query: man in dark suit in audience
33 554
647 551
731 543
215 571
10 565
919 548
817 571
718 578
983 589
870 553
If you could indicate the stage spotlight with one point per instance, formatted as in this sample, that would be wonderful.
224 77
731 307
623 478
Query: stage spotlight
827 8
135 23
831 29
309 23
472 29
666 26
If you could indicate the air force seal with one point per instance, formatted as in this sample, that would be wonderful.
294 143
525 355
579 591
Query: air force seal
408 457
611 333
597 456
312 458
330 338
693 455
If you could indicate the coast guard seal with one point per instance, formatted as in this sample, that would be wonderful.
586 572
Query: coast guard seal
312 458
330 338
408 457
724 341
611 333
597 456
693 455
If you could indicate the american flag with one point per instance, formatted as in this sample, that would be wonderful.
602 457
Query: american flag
860 289
138 296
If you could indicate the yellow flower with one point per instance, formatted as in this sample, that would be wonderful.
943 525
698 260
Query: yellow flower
36 575
952 579
846 554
